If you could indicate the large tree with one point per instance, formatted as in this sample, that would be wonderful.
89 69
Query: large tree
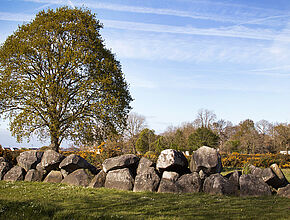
203 137
58 80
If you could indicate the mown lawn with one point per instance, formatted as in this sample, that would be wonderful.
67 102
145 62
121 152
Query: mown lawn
26 200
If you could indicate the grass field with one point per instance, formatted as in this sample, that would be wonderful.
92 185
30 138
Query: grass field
26 200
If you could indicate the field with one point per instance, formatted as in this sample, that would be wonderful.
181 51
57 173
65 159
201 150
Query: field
26 200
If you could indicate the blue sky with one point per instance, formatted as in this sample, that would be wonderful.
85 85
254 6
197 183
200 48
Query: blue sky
179 56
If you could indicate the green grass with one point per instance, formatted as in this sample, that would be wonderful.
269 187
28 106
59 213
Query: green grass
26 200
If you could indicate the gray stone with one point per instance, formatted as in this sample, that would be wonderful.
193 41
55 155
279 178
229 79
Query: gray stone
251 185
121 179
16 173
79 177
279 174
74 162
99 180
172 160
4 168
144 164
33 175
269 176
123 161
50 160
207 159
2 159
284 191
147 180
170 175
54 176
234 177
189 183
217 184
256 171
41 169
168 186
29 159
64 173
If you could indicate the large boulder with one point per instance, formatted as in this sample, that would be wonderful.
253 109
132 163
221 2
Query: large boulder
144 164
207 159
16 173
33 175
172 160
4 168
54 176
2 159
217 184
74 162
189 183
121 179
29 159
50 160
269 175
99 180
284 191
279 174
168 186
79 177
123 161
251 185
147 180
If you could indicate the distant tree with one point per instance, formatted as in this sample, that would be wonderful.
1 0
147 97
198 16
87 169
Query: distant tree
58 80
203 136
145 140
160 144
282 135
135 124
205 118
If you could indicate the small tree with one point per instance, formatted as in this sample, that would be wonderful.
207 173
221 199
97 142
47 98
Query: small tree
203 137
58 80
145 140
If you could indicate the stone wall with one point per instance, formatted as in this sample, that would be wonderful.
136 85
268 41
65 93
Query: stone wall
171 173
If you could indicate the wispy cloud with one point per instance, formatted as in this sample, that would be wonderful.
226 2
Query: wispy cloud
6 16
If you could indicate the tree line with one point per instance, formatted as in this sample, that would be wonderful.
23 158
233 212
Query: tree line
246 137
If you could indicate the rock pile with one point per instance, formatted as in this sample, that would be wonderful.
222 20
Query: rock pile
127 172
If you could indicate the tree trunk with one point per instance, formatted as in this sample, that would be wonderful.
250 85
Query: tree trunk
54 143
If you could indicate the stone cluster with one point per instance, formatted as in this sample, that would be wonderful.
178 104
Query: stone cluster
171 173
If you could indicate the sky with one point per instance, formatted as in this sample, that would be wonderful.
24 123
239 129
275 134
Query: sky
178 56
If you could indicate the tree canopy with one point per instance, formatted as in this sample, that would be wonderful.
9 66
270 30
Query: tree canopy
58 80
203 137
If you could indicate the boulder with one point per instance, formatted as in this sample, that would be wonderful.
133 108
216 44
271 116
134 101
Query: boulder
284 191
251 185
121 179
16 173
29 159
4 168
172 160
79 177
123 161
64 173
50 160
2 159
74 162
279 174
269 176
170 175
234 177
147 180
41 169
256 171
207 159
33 175
168 186
144 164
217 184
189 183
54 176
99 180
